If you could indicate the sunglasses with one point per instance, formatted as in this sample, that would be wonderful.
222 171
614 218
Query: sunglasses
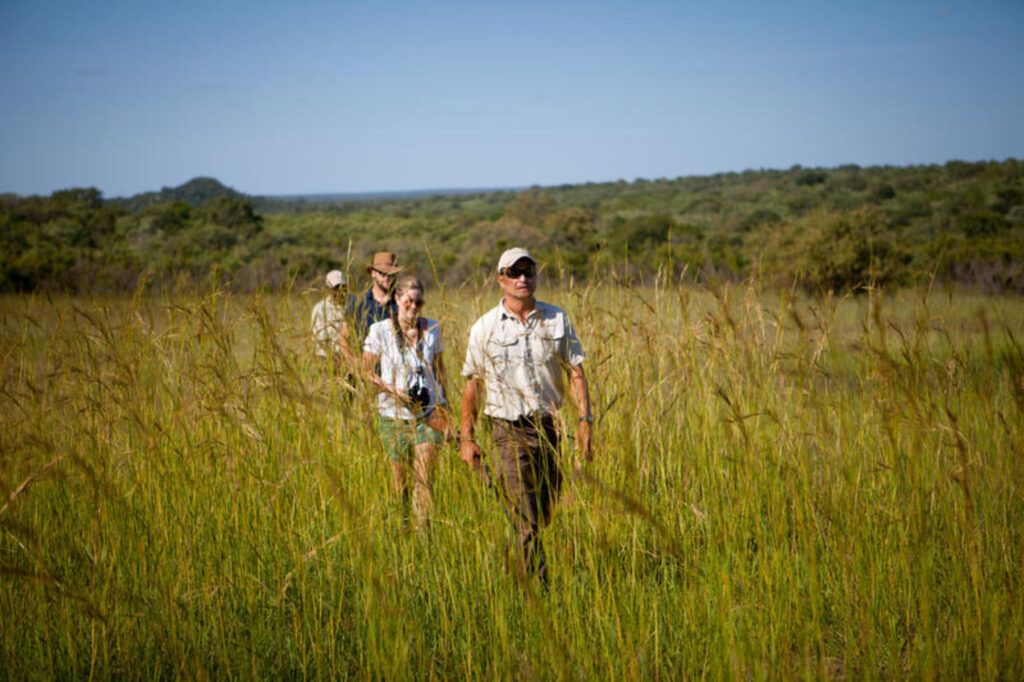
385 274
516 273
415 302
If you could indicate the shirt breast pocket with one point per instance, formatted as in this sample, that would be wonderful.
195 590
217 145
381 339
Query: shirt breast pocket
502 352
551 335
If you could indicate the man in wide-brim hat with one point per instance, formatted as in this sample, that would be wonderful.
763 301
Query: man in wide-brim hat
378 303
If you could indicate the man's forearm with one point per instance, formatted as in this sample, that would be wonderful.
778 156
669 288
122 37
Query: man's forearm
469 409
343 347
579 390
581 396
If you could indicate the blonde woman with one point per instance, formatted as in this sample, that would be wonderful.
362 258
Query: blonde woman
409 351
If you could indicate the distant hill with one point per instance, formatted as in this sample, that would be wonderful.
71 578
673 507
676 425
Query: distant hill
397 194
198 191
195 192
292 203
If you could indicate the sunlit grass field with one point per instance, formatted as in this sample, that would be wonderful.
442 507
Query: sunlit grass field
783 487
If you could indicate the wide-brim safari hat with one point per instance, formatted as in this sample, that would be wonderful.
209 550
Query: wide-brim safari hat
384 261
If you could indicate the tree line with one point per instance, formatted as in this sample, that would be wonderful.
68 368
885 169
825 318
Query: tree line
838 229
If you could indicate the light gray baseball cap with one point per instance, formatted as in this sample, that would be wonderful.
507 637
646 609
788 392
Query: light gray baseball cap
335 279
509 258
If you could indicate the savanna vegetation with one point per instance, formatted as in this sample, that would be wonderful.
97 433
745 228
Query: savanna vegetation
809 387
784 487
821 230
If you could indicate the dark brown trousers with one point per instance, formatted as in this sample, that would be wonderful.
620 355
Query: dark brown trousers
528 479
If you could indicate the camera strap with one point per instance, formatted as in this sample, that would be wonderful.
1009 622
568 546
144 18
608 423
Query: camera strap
419 353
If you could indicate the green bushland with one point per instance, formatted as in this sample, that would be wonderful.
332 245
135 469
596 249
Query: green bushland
840 230
783 487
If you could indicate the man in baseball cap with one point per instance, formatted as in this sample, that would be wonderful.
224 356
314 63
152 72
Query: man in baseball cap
330 319
517 359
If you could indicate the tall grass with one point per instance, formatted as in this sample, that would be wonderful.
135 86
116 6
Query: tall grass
783 487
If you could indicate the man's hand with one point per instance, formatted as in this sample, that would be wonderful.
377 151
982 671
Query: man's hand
584 449
468 449
470 452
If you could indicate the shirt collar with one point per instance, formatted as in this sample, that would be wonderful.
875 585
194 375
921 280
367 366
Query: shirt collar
370 300
506 315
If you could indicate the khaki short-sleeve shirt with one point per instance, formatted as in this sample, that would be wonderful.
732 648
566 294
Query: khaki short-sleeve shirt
523 366
327 322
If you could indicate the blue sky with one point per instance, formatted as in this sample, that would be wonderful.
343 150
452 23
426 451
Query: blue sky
306 97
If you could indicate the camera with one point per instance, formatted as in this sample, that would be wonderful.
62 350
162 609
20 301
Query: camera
418 391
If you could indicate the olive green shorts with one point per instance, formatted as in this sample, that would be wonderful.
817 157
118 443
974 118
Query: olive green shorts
400 436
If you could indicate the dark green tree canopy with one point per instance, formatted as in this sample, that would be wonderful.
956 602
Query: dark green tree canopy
839 229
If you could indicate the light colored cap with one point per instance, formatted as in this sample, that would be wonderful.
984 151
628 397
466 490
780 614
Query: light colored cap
511 256
335 279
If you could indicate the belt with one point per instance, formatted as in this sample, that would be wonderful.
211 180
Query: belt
531 420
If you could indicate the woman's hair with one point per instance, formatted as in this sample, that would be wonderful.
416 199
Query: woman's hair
407 283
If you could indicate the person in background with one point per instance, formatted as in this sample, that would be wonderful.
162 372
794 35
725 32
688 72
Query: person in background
378 302
330 322
408 349
517 358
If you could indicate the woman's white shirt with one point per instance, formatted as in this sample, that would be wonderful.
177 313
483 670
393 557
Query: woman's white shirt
400 362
